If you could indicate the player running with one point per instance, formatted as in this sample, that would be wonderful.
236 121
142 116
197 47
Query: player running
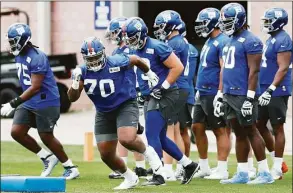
107 83
242 57
276 85
161 105
114 34
207 84
166 26
39 104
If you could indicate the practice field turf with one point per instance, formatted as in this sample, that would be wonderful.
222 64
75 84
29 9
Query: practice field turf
94 175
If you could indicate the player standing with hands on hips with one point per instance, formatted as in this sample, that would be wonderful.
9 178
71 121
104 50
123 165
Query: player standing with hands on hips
39 104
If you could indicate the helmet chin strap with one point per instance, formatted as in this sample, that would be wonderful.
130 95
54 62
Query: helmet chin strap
16 52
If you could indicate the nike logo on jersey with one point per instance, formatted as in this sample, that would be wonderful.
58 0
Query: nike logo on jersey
256 44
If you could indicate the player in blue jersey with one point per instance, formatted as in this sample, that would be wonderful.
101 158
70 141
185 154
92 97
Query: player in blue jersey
166 26
207 84
114 34
275 84
185 115
160 107
242 57
107 83
39 104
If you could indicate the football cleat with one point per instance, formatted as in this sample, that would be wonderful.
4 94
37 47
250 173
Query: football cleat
277 174
169 175
262 178
115 175
284 167
150 171
201 174
140 172
71 172
252 172
189 172
179 173
49 163
238 178
218 175
156 180
126 184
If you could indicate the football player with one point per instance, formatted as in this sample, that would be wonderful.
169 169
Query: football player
207 84
168 67
114 34
166 26
39 104
242 57
107 83
276 85
185 116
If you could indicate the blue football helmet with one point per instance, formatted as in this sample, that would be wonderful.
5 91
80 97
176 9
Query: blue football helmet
166 22
93 52
233 17
135 32
18 36
274 19
207 20
114 30
182 29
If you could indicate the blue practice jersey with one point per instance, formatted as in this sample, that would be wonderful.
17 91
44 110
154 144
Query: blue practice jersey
191 67
111 86
209 67
34 61
236 71
155 53
280 42
180 47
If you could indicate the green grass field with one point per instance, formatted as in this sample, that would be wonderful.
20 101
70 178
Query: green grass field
94 175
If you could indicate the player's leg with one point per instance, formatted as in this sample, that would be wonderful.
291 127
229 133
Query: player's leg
251 168
277 111
201 139
46 120
168 160
123 153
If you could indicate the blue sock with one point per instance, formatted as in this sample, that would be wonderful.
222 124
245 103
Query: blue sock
169 146
154 125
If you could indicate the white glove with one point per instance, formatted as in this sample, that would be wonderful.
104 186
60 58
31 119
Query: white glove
265 98
153 78
196 95
6 109
247 106
76 74
219 94
218 108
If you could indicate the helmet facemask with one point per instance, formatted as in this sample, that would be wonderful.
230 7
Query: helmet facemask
113 36
134 42
228 25
95 61
267 25
15 46
160 32
201 28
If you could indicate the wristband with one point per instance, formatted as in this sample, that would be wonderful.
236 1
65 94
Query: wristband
272 87
16 102
166 84
149 73
250 94
220 94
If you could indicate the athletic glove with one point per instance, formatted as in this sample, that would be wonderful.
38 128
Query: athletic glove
247 106
157 93
196 95
76 74
265 98
153 78
219 94
7 108
219 107
140 99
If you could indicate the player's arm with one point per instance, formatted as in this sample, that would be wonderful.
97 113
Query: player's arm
176 69
283 61
77 85
253 61
221 62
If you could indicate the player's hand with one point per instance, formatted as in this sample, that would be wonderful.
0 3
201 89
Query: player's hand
219 94
265 98
76 74
157 93
218 108
153 78
6 109
247 106
196 95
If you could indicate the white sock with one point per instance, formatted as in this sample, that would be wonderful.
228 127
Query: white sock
272 155
43 153
263 166
152 157
222 166
185 161
168 167
129 175
278 163
124 160
242 167
250 163
204 164
140 164
67 163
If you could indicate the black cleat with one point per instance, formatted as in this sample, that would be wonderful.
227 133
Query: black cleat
150 171
140 172
189 172
157 180
115 175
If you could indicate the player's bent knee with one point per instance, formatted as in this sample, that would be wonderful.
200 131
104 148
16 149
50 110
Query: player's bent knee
107 149
127 135
17 132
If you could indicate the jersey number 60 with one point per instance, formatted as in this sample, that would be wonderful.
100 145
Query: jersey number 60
229 58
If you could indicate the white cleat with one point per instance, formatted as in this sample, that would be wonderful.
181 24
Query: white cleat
202 174
49 163
179 173
71 172
252 173
169 176
218 175
126 184
276 174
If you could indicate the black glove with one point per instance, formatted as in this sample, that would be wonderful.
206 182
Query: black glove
140 99
247 106
158 93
